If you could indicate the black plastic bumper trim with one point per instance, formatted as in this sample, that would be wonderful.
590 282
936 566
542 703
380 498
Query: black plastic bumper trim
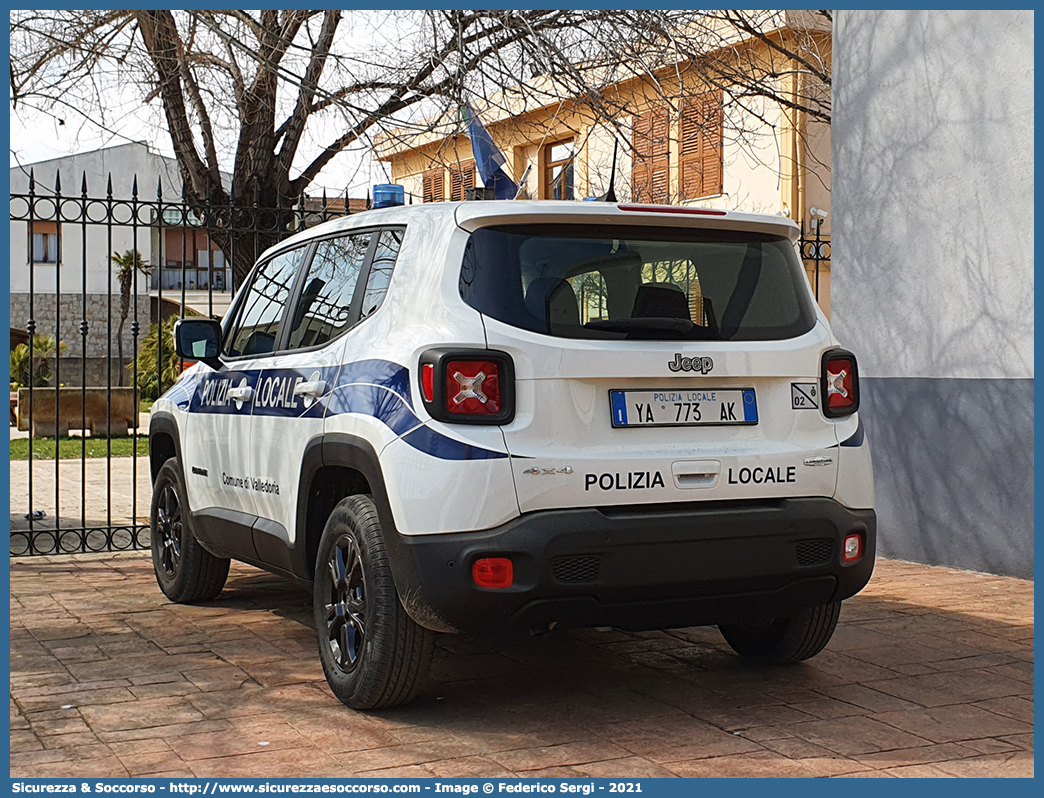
660 566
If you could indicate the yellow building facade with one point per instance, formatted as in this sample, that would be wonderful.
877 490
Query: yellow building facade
679 141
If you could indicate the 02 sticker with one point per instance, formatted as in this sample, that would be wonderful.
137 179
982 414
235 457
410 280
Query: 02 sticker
804 396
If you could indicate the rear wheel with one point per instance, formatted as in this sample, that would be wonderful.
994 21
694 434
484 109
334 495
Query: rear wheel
784 640
185 571
373 654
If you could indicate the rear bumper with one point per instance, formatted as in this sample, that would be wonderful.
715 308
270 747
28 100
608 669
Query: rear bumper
639 567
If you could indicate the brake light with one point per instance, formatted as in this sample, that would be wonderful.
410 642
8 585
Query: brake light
840 383
187 364
468 386
673 209
472 387
493 572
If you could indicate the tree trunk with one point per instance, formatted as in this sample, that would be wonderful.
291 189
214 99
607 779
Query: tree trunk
125 276
119 345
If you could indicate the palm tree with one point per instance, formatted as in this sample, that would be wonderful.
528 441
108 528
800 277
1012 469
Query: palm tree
126 264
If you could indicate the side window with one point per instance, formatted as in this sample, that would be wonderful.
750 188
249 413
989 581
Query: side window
381 270
324 309
259 316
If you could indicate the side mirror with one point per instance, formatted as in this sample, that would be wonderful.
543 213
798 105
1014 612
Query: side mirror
198 339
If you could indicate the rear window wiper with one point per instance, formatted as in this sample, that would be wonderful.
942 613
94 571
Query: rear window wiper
652 323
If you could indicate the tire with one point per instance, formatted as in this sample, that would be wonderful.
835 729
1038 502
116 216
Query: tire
785 640
185 571
373 654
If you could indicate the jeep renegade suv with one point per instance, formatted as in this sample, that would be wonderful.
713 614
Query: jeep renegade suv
494 416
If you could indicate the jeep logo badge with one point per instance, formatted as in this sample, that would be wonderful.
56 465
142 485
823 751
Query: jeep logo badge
700 364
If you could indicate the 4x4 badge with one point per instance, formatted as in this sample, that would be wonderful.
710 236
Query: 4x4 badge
700 364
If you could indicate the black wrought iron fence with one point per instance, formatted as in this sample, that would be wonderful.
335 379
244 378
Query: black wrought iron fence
815 250
93 280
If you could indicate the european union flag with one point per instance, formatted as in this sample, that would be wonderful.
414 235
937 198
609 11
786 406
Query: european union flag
488 158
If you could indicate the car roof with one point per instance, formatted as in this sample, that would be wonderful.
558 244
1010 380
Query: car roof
475 214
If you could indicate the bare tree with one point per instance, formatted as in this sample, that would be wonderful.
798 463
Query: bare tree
251 93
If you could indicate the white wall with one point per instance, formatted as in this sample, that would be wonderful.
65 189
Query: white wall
123 163
933 275
933 192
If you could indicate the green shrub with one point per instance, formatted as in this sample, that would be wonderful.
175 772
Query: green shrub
148 360
44 348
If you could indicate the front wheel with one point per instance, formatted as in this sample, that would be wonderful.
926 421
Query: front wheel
373 654
784 640
185 571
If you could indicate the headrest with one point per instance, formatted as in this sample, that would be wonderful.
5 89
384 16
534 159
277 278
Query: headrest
664 300
552 299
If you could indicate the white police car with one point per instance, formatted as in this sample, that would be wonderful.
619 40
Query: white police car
495 416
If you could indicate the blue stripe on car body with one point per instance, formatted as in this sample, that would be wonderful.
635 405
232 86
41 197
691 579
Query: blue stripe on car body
377 388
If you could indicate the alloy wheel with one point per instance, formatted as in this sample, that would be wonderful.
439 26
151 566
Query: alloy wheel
169 527
346 608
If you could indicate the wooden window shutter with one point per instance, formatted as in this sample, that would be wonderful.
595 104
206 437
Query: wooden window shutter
702 137
434 185
651 168
462 177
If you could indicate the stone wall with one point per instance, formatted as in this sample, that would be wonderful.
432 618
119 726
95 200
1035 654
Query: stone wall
100 342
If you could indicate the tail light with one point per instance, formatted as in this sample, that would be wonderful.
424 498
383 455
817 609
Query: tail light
468 386
840 383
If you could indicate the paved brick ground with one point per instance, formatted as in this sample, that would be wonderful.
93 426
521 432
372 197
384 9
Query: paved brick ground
929 674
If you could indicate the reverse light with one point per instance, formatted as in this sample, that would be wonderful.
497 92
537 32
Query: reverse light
852 549
496 572
840 383
468 386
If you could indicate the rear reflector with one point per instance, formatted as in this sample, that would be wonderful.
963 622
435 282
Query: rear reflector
853 548
840 383
672 209
493 572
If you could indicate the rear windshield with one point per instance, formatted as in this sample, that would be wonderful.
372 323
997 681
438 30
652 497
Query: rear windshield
639 283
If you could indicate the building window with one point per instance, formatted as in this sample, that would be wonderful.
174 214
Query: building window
434 185
45 242
462 177
700 151
650 140
559 170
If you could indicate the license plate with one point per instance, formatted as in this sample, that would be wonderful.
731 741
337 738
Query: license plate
683 408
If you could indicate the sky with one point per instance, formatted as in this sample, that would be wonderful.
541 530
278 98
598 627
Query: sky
37 137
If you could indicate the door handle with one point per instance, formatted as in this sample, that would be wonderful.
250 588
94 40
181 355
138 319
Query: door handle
313 388
241 393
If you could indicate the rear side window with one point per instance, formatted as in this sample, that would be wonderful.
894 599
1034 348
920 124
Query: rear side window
381 270
637 283
324 308
260 314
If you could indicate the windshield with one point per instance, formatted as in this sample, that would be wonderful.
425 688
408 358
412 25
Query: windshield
637 283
